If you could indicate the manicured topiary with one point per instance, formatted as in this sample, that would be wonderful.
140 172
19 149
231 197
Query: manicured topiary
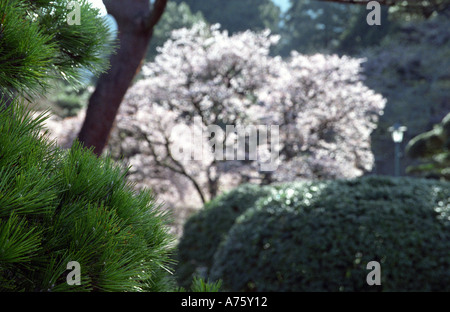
59 206
320 237
204 231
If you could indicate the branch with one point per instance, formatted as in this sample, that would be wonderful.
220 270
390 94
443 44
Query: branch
411 4
125 12
157 12
180 170
362 2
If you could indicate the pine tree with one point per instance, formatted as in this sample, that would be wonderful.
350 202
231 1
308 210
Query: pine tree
58 206
38 42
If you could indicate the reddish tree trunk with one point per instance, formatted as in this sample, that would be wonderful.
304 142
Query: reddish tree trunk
135 20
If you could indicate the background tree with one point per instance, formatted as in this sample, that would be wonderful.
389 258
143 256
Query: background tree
175 16
358 35
421 9
325 112
95 132
238 15
327 26
135 20
202 73
434 148
314 26
409 69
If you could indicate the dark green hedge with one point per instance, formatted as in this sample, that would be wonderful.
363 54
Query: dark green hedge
320 237
205 230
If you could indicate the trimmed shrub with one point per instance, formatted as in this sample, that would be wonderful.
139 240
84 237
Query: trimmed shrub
204 231
320 237
60 206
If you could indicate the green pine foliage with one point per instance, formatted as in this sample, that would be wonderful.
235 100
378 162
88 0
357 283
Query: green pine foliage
59 206
37 43
24 58
199 285
78 46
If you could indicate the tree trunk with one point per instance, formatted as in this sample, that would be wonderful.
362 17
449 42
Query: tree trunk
135 20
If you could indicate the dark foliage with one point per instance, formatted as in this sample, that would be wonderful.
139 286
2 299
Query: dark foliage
320 237
205 230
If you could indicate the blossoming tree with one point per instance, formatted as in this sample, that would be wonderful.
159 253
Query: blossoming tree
204 81
326 115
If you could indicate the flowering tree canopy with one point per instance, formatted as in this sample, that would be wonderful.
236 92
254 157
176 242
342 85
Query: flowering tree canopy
326 116
205 81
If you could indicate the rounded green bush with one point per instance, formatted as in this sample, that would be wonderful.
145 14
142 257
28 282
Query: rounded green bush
204 231
61 206
320 237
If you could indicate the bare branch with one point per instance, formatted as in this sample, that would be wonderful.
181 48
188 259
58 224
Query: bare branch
178 168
